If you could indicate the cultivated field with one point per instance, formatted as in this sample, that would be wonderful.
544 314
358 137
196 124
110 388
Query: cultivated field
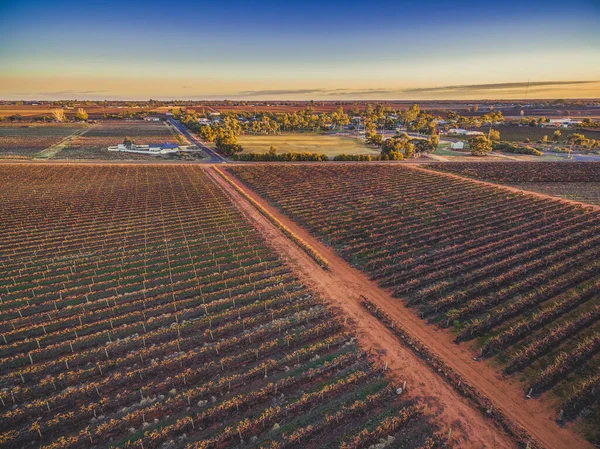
517 133
95 142
29 139
578 181
329 145
141 309
94 111
517 276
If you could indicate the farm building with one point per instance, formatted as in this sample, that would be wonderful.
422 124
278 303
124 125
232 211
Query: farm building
563 122
457 145
152 149
152 119
464 132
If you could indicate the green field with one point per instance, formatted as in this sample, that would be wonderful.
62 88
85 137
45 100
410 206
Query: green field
306 143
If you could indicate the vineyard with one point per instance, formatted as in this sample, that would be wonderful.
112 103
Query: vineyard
141 309
513 172
579 181
28 140
94 144
517 276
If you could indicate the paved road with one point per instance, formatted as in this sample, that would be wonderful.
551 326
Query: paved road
213 156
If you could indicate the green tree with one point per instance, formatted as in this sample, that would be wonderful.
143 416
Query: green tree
373 138
494 134
578 139
272 151
207 133
556 135
411 114
427 146
480 145
226 142
397 148
81 115
58 114
128 142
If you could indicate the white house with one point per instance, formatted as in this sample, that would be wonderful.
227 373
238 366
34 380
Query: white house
150 150
204 121
457 145
152 119
464 132
563 122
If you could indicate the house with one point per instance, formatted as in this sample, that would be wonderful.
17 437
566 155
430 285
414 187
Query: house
464 132
457 131
457 145
151 150
563 122
151 118
204 121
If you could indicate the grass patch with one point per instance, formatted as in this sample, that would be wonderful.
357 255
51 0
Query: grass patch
328 144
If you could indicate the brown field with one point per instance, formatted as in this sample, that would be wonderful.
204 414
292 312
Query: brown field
587 192
578 181
534 133
94 112
21 139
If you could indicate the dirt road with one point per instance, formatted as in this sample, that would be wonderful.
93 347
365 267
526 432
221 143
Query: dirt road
343 285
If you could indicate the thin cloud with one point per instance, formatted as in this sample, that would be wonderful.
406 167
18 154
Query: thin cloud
63 93
493 86
458 89
260 93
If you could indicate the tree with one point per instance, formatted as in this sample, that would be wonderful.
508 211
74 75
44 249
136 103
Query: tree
81 115
410 114
226 141
374 138
434 141
545 139
556 135
427 146
128 142
577 139
207 133
397 148
494 134
272 151
480 145
58 114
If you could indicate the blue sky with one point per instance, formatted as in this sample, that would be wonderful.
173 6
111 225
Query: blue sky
277 49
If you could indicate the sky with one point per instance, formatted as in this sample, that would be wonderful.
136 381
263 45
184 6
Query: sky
259 49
